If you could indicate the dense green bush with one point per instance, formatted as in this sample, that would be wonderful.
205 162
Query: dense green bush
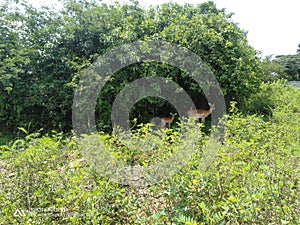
253 179
44 53
272 95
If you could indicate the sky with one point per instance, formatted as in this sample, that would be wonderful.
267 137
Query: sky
273 26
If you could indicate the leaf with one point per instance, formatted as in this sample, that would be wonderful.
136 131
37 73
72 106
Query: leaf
23 129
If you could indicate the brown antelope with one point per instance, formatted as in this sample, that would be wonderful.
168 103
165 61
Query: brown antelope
201 113
168 120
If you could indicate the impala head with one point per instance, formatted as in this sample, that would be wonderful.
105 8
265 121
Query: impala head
173 114
212 106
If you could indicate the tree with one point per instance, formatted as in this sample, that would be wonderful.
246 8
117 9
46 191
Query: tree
291 63
272 70
33 72
220 43
47 51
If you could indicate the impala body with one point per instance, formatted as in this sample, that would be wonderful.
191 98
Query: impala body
167 120
201 113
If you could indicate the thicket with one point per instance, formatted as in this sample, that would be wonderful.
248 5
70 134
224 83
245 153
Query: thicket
45 51
253 178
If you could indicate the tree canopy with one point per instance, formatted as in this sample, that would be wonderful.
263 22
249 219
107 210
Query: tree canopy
291 64
44 52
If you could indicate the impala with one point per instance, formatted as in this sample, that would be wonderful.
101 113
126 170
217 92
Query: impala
167 120
201 113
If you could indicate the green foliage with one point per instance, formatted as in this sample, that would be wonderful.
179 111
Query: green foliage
291 63
219 43
253 179
44 53
46 179
272 70
33 69
270 96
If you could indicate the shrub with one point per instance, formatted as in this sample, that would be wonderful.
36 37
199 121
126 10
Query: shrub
273 95
253 179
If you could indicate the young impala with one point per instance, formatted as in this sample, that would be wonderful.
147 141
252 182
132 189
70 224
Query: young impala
168 120
201 113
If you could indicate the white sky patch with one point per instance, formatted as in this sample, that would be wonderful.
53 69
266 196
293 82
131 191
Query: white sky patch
273 26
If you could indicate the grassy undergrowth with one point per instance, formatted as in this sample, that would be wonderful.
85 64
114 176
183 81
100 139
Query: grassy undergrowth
253 179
